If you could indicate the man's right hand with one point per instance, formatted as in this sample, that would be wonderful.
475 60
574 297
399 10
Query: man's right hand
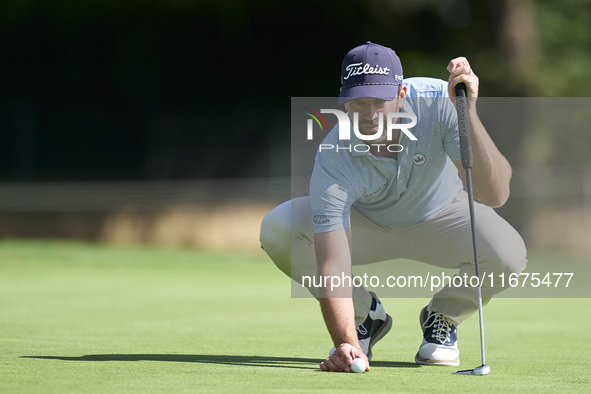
333 254
342 359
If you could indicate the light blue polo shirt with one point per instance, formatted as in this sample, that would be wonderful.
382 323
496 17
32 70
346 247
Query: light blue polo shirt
417 186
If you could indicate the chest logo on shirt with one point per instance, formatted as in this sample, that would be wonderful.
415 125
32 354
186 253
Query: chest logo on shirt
419 159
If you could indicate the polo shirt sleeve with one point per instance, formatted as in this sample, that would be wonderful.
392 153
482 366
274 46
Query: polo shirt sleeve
331 198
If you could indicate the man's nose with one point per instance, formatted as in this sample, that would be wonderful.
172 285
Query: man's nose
369 112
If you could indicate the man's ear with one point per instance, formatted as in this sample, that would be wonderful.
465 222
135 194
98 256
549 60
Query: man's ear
402 95
403 91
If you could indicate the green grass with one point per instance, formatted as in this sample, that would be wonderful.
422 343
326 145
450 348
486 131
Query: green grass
79 318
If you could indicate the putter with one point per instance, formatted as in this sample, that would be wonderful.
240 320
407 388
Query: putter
466 151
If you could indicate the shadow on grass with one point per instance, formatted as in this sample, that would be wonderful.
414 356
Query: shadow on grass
253 361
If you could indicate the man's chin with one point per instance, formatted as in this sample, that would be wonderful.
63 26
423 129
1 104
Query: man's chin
382 137
371 131
368 130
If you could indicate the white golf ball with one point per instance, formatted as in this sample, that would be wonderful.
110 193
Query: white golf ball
331 352
358 365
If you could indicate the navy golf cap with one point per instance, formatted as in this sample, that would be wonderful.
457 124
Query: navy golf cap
370 70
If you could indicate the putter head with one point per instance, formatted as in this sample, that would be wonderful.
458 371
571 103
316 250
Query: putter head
482 370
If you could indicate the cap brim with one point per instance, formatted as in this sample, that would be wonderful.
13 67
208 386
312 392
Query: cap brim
382 92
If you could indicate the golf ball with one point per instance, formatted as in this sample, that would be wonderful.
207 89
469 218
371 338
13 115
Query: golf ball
358 365
331 352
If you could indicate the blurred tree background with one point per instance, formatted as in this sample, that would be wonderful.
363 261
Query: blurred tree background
191 89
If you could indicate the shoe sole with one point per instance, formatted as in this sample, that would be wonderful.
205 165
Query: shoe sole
379 334
427 361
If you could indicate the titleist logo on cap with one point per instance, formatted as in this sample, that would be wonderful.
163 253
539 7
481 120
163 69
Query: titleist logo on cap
370 70
358 69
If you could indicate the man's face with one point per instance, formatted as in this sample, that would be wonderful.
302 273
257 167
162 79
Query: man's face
369 109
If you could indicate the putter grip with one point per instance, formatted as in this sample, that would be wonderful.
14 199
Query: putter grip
463 125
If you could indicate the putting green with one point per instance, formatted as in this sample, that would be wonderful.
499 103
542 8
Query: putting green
80 318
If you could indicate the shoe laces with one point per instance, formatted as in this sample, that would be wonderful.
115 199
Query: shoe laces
442 327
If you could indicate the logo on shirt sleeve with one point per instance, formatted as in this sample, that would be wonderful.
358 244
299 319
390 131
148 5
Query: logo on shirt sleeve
321 219
419 159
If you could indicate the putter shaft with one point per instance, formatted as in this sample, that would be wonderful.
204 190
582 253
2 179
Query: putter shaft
466 155
476 264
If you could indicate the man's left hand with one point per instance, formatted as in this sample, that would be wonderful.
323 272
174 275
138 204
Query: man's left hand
460 71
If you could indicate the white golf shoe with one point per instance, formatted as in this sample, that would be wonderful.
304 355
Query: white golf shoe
440 340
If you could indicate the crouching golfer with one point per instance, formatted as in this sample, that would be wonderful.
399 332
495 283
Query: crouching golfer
377 205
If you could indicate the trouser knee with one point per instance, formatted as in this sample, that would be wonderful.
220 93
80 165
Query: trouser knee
275 236
510 259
